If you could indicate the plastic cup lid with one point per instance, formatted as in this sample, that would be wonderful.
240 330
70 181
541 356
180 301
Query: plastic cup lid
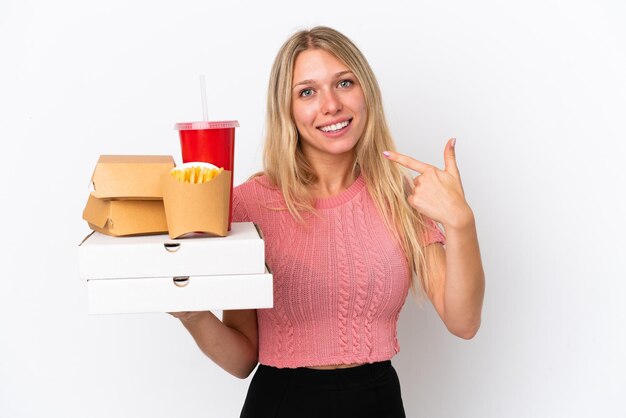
187 126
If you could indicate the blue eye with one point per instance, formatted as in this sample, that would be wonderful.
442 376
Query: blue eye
306 93
345 83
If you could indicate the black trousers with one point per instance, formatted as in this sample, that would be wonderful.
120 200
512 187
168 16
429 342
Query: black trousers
371 390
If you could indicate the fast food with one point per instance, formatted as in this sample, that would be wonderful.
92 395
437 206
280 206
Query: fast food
195 173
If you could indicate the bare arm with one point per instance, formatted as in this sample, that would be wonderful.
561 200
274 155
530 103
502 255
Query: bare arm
231 343
458 281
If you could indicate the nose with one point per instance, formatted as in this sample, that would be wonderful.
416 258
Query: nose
330 103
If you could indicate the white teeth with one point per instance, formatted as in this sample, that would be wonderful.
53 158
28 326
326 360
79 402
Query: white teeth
335 127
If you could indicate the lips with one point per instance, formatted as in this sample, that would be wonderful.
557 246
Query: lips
335 126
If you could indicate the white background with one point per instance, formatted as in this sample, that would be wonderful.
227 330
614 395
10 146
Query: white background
534 91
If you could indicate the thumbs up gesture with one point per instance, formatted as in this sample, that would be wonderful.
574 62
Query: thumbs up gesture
437 194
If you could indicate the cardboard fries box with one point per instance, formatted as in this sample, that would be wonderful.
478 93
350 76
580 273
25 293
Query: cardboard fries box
134 177
156 274
197 207
125 217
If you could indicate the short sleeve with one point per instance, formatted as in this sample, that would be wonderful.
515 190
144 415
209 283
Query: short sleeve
240 213
433 233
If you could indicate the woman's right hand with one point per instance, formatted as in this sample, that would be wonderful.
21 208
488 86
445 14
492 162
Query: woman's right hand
231 343
187 317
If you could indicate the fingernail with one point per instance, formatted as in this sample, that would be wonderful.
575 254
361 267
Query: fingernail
387 154
453 142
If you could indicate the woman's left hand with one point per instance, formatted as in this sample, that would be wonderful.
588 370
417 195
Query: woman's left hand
437 194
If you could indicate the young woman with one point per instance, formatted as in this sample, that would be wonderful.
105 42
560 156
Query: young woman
347 233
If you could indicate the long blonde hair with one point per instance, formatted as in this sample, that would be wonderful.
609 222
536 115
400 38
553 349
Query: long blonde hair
287 168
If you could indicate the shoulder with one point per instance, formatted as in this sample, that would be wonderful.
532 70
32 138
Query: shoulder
251 196
256 184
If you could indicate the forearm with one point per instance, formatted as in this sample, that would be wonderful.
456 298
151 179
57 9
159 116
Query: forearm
465 279
227 347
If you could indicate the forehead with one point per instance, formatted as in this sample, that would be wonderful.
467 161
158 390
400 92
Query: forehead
314 64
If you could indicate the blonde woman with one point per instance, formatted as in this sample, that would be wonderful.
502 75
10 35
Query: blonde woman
348 232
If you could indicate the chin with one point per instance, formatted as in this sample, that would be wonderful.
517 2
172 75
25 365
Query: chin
341 151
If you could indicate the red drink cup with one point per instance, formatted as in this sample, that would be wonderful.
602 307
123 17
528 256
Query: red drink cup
210 142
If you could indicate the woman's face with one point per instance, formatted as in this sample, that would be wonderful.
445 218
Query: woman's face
328 105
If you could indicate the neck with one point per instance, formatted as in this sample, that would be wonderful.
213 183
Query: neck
334 174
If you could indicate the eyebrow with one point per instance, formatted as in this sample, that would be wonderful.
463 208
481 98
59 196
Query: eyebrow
338 75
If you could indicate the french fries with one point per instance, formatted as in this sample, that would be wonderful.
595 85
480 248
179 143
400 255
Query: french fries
195 175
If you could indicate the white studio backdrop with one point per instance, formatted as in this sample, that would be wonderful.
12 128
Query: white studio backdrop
534 91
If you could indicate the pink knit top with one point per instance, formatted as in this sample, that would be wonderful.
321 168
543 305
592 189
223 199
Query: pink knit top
340 279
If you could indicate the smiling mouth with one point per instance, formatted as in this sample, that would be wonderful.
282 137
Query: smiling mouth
336 127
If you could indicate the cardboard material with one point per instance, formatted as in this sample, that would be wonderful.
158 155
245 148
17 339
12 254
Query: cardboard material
135 177
104 257
200 207
168 294
156 274
125 217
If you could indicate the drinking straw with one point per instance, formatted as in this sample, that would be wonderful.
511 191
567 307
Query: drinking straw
205 110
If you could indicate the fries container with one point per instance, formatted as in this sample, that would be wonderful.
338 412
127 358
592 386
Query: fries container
197 207
157 274
126 197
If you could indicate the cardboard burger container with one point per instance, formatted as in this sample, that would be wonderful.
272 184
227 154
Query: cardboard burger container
126 197
125 217
156 274
197 207
136 177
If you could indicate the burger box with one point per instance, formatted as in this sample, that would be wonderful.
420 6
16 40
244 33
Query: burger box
136 177
153 273
125 217
126 197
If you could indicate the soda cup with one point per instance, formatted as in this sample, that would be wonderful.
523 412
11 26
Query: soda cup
210 142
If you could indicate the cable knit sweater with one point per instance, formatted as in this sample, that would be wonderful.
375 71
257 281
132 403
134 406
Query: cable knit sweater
340 279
